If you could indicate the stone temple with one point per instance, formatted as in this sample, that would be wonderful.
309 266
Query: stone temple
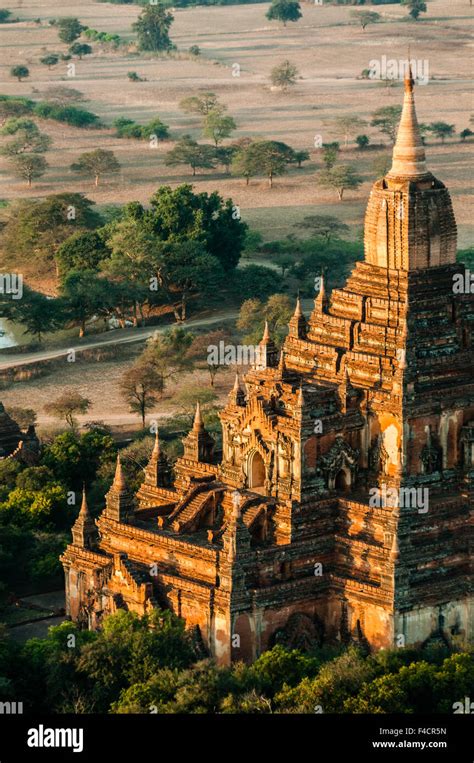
341 509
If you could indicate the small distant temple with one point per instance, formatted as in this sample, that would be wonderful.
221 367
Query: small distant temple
294 537
14 443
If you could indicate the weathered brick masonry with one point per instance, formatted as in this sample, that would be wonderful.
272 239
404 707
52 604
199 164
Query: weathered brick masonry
281 541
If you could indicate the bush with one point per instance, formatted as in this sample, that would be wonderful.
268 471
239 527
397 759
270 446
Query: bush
127 128
71 115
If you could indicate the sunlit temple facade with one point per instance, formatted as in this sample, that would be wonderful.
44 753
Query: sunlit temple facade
291 538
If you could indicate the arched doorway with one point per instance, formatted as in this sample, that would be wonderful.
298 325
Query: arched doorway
343 480
256 471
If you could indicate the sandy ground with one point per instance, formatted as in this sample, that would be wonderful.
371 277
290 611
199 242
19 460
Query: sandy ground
329 50
100 383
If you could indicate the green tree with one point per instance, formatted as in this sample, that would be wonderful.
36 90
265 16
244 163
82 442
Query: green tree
29 167
253 313
50 60
184 269
5 16
330 154
152 28
76 458
441 130
96 163
168 355
284 10
224 156
201 104
347 125
340 178
140 385
35 229
20 72
155 128
82 251
466 133
132 245
415 7
199 352
69 29
37 314
34 508
188 151
67 406
14 108
284 75
28 138
130 650
362 141
256 281
243 162
266 157
80 49
300 156
324 225
84 294
70 115
335 682
365 17
387 119
180 215
217 126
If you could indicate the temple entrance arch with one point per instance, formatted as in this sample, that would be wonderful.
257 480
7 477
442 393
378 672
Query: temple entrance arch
256 471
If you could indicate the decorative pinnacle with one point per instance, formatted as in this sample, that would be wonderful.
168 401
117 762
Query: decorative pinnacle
321 296
119 479
298 311
409 159
84 512
198 422
266 333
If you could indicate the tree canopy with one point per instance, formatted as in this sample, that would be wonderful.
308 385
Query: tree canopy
152 27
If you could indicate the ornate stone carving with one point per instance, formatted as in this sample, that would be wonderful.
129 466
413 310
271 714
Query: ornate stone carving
341 455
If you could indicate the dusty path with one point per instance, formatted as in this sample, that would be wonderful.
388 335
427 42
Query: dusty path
131 335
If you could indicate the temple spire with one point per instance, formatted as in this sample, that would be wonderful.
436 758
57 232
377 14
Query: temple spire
198 423
298 326
84 531
119 479
298 311
321 300
267 354
237 394
409 159
84 512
